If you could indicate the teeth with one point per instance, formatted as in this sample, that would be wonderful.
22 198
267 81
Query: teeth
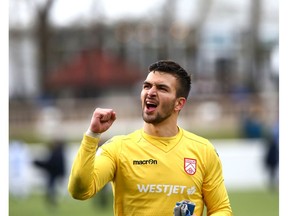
150 103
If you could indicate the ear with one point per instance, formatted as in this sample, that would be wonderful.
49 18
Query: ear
179 104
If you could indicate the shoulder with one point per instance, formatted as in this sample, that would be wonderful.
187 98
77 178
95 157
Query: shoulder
198 142
120 139
116 144
195 138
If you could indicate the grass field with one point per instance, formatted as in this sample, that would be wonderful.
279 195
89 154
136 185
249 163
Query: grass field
248 203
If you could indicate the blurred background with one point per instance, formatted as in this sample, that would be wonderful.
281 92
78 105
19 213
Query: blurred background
66 59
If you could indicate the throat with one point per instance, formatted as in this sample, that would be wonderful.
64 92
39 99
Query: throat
159 130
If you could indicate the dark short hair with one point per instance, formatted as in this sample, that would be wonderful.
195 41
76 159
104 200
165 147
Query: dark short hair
173 68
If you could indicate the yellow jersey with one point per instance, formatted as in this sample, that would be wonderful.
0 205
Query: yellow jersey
150 174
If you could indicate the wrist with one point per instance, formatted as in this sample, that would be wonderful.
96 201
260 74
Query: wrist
92 134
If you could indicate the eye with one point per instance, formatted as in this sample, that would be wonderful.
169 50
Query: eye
163 88
146 86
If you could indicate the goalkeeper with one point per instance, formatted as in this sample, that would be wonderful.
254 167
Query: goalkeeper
157 166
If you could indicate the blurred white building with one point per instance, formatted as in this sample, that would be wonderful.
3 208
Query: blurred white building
223 29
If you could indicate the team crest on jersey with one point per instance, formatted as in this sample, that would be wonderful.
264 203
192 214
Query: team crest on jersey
190 166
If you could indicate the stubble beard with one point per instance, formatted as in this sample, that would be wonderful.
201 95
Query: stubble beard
157 117
154 119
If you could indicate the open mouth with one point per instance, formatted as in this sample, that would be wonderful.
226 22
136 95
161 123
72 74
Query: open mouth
151 106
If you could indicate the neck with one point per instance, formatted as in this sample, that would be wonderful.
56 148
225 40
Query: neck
166 130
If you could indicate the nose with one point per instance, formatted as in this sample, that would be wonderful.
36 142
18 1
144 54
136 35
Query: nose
152 91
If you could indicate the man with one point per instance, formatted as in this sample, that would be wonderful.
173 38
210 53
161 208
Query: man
157 166
55 167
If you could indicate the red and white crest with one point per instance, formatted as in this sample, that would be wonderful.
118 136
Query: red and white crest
190 166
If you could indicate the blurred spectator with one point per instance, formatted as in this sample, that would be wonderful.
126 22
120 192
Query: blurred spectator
272 156
54 166
102 200
19 161
252 127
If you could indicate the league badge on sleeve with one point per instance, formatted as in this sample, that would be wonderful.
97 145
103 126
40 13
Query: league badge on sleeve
190 166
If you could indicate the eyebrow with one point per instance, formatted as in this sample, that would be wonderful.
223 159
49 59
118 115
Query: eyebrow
156 84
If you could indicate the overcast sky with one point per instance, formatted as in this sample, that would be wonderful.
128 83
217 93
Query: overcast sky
65 12
112 9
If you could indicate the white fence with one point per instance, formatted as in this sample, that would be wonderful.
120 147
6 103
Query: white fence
242 162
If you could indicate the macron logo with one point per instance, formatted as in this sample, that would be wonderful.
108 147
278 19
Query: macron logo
144 162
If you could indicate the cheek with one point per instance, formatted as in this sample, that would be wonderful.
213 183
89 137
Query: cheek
142 96
168 103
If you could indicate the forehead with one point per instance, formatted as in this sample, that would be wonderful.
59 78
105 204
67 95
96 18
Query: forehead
158 77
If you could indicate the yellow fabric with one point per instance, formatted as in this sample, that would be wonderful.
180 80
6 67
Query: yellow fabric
148 175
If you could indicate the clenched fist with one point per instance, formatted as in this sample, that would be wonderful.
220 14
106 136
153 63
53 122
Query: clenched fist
102 120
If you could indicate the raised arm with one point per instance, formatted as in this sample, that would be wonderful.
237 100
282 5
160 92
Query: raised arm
86 178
